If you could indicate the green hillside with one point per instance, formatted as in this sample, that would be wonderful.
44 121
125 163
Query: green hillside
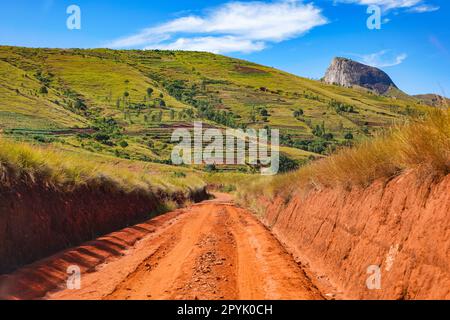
127 103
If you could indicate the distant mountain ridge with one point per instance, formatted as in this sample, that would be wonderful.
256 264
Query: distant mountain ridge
348 73
433 100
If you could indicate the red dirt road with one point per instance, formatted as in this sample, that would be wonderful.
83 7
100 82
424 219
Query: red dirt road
212 250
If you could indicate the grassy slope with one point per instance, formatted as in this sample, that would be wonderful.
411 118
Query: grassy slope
21 107
66 167
423 145
101 77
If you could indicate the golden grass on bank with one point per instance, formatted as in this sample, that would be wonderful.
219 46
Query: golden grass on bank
66 169
422 145
45 163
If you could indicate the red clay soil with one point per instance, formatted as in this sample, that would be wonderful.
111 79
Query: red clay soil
213 250
402 226
37 219
216 250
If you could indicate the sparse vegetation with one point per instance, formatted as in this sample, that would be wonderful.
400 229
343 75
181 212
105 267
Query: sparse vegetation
107 98
422 145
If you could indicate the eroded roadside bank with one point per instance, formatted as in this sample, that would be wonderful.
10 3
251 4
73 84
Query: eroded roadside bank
401 226
38 219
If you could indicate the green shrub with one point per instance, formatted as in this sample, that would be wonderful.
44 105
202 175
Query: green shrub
178 174
349 136
43 90
210 168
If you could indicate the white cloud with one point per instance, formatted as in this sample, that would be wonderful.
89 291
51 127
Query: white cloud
224 44
424 8
232 27
386 5
381 59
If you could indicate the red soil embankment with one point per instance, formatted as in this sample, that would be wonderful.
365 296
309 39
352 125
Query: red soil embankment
402 226
37 220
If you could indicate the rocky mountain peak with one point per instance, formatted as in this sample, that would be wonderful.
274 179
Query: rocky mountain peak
346 72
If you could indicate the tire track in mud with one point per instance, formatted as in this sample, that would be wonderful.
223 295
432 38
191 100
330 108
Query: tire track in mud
266 269
155 277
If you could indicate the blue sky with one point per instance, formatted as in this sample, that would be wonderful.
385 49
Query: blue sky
301 37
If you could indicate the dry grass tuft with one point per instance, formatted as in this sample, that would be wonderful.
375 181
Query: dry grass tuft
422 145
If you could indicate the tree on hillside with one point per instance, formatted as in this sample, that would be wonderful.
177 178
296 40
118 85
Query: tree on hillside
123 144
298 113
161 103
319 130
149 92
328 136
43 90
126 96
349 136
80 105
263 112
